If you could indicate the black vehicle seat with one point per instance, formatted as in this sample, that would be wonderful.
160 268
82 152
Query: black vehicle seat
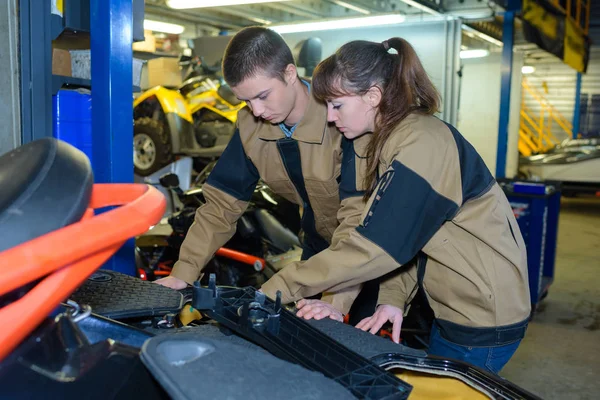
45 185
190 84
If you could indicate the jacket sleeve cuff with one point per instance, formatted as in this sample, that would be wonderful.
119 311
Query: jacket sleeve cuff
276 283
343 299
391 297
185 272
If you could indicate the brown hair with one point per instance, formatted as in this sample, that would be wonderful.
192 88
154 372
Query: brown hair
358 66
255 50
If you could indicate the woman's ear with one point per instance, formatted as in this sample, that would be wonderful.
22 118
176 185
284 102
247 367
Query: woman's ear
373 96
291 74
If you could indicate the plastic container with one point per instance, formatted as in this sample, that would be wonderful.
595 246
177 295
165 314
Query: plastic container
72 119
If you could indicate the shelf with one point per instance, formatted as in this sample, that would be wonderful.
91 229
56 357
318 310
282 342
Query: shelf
76 18
59 81
146 55
56 26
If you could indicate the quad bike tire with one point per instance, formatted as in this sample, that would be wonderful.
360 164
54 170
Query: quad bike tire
206 135
151 146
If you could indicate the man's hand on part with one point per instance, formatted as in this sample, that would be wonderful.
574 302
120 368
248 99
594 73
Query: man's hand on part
383 314
172 282
317 309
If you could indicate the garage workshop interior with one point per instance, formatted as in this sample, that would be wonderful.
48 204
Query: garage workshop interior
300 199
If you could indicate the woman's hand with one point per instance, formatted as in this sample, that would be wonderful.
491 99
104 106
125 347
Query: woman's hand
172 282
317 309
383 314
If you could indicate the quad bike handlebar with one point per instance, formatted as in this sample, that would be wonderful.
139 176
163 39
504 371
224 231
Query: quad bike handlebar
61 260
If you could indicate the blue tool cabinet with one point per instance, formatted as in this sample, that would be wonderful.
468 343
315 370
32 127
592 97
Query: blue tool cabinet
536 207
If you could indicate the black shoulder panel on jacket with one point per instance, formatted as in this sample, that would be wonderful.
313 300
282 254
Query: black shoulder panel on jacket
475 175
405 214
235 174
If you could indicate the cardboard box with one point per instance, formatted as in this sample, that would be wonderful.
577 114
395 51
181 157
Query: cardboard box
148 45
136 70
61 62
164 71
81 63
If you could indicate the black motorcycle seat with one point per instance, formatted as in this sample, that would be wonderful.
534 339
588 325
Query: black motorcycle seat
118 296
190 84
46 185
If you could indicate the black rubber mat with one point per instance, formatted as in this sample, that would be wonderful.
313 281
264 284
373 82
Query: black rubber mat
363 343
119 296
190 366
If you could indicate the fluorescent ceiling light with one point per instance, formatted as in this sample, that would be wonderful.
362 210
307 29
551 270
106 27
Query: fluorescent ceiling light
527 69
351 7
478 53
158 26
421 7
182 4
377 20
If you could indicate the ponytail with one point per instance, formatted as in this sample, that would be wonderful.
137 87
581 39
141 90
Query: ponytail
359 65
408 90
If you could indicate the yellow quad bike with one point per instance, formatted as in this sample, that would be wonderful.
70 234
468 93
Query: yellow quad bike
196 119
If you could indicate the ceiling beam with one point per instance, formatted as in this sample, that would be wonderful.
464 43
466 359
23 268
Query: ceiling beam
378 6
350 6
392 6
319 7
307 13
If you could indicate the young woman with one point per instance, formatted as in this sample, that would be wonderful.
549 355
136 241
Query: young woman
435 218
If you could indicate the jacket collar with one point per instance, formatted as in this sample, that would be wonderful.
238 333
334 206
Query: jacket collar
310 129
361 143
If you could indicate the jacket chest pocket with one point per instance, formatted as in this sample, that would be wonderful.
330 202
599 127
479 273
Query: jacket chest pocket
285 189
324 197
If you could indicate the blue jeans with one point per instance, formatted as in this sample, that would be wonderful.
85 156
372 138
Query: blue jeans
489 358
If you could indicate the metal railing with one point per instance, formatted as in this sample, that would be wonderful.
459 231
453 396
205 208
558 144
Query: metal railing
577 10
540 131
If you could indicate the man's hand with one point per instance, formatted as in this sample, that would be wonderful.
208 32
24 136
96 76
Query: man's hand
172 282
383 314
317 309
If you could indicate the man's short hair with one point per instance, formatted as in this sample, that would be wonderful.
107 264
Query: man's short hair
256 50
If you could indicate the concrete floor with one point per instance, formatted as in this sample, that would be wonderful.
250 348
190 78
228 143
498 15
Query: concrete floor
560 355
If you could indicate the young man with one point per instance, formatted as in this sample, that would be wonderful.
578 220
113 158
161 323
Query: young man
283 138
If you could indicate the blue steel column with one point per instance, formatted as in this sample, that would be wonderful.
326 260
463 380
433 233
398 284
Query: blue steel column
36 70
577 110
112 103
508 37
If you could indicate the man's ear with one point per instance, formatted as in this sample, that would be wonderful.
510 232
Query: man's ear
373 96
291 74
